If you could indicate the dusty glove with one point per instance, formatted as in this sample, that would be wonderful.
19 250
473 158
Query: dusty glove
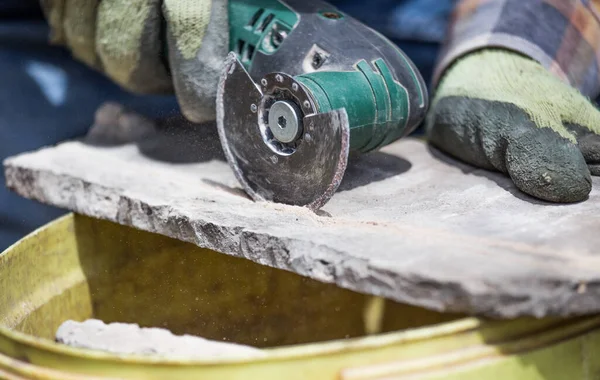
128 41
501 111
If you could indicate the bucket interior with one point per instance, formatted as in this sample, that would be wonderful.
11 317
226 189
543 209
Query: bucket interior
79 267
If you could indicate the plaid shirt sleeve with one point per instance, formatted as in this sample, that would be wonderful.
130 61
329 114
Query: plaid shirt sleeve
563 35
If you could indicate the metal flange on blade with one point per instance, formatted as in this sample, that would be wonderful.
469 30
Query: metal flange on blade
278 145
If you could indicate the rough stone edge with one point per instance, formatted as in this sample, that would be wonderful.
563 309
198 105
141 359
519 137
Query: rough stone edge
445 297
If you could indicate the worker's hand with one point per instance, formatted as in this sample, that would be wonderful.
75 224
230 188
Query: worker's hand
501 111
129 39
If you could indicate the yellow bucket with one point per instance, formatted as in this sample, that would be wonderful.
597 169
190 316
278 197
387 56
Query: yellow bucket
77 268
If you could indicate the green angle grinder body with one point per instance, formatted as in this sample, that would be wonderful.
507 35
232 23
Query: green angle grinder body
303 87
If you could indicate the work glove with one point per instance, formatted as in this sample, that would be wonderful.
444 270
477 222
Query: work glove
130 40
502 111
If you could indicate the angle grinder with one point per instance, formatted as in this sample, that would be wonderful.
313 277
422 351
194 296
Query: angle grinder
304 87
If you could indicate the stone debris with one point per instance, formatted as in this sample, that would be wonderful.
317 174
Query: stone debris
130 338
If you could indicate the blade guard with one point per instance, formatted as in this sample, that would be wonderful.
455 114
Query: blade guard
310 174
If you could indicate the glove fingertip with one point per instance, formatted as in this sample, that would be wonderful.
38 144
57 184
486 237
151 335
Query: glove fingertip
543 164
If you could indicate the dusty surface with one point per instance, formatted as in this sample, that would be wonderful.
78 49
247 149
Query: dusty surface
407 223
127 338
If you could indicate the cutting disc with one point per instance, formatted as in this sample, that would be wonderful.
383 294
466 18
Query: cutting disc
277 143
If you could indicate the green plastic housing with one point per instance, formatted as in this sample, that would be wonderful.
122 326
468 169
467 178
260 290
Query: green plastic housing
376 104
250 22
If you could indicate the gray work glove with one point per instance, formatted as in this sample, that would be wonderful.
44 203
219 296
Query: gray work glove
498 110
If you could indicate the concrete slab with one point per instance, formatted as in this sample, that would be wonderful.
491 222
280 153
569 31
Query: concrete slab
408 223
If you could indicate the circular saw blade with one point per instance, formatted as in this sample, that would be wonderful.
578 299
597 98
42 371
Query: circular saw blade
309 176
